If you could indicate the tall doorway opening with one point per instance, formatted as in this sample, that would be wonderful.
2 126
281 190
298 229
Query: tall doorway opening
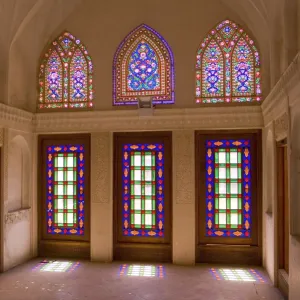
283 216
142 196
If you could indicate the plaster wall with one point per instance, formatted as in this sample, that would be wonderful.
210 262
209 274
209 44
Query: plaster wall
17 233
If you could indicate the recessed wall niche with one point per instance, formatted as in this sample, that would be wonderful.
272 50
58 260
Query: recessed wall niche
18 174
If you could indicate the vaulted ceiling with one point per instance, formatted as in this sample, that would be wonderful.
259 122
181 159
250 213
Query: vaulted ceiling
265 18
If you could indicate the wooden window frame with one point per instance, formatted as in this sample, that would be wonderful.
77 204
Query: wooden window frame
150 248
227 249
62 245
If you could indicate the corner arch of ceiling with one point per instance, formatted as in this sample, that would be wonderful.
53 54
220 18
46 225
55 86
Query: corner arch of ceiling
254 15
35 30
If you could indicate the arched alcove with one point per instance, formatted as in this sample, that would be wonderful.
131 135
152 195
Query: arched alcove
18 174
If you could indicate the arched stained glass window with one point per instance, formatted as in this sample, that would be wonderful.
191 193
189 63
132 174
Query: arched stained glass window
65 78
227 66
143 66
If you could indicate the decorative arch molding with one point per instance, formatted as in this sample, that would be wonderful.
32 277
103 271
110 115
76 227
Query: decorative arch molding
143 65
66 75
227 66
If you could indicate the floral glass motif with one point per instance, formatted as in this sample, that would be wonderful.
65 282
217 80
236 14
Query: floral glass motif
228 188
227 66
143 190
66 75
143 66
65 189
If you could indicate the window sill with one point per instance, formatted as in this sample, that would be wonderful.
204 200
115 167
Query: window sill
19 210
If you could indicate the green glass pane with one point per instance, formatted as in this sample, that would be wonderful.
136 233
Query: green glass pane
228 172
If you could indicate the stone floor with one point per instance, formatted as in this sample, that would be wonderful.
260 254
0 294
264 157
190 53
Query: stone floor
86 280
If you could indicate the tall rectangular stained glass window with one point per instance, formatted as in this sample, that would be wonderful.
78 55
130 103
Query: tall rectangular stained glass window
143 190
228 188
65 189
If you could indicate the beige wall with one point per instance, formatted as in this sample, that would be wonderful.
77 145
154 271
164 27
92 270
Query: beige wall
17 195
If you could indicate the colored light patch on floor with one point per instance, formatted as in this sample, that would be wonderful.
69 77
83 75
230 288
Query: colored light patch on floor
142 271
243 275
56 266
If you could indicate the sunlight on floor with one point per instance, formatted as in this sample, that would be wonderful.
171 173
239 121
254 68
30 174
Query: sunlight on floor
142 270
56 266
245 275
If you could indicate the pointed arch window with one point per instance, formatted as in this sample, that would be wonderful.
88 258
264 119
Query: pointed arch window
143 66
66 75
227 66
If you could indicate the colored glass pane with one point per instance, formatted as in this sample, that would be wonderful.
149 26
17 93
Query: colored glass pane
78 77
212 71
65 78
143 66
243 70
143 190
143 69
54 78
227 66
65 189
228 188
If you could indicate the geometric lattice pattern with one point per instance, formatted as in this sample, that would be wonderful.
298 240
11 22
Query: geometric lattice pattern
66 75
227 66
143 66
228 188
143 190
142 271
244 275
65 189
142 169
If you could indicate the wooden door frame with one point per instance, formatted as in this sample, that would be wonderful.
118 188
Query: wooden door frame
1 214
56 245
148 246
238 250
283 282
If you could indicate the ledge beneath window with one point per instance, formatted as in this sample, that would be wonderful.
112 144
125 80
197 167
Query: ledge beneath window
16 216
269 213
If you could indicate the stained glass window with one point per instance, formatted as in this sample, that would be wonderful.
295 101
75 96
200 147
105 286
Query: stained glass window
65 189
227 66
66 75
228 188
143 66
143 190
